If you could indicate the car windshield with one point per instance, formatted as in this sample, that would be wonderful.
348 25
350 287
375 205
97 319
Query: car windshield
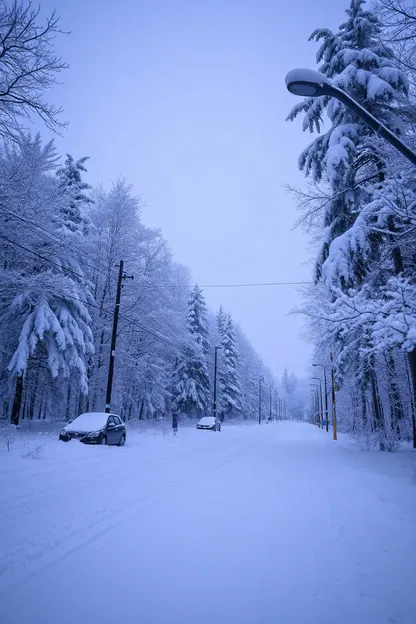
88 422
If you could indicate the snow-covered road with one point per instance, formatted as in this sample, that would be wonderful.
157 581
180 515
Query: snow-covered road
271 524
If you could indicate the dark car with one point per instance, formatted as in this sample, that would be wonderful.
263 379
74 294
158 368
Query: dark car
95 428
209 422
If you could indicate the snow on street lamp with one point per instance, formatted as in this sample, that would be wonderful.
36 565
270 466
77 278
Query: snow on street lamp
311 83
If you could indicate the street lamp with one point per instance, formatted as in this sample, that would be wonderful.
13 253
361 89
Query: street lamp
261 378
311 83
322 403
326 397
214 410
316 390
314 399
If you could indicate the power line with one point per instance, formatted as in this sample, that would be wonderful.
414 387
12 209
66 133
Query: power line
253 285
129 320
132 321
56 238
35 253
248 285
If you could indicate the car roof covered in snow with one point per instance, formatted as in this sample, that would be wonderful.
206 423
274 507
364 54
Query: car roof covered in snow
88 422
207 420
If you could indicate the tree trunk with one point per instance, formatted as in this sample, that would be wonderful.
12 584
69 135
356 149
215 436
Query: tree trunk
412 364
17 402
141 410
396 404
32 406
45 405
68 402
379 424
363 389
174 422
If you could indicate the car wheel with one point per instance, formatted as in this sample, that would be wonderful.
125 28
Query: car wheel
122 440
103 441
64 439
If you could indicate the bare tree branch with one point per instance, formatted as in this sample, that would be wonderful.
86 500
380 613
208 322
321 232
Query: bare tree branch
28 68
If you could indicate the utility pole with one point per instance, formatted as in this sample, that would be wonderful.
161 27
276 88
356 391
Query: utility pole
334 407
260 380
214 410
276 398
270 409
121 276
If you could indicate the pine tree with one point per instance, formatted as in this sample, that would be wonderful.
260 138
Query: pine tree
75 198
221 320
230 388
190 379
45 302
354 260
348 155
191 386
196 318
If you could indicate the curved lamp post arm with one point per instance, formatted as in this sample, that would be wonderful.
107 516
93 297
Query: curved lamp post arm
311 83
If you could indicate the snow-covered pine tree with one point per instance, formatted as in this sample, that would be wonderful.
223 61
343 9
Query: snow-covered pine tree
354 163
230 388
190 381
348 155
221 319
196 318
75 196
43 309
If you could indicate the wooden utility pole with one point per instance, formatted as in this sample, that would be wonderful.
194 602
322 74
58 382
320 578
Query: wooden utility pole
121 276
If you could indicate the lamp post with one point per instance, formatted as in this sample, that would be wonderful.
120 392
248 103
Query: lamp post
326 397
322 402
316 390
314 410
214 410
261 378
311 83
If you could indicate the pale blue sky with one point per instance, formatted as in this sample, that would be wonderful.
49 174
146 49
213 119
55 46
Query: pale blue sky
187 100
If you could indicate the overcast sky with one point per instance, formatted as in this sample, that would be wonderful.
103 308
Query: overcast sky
187 100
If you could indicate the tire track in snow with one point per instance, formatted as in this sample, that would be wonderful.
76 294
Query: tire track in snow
91 531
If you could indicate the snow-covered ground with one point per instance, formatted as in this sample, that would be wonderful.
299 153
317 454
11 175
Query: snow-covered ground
271 524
